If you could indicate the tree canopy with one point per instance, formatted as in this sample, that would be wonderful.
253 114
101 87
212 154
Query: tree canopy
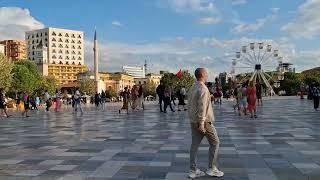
5 72
174 82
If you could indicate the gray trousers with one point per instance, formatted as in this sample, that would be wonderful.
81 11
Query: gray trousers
213 139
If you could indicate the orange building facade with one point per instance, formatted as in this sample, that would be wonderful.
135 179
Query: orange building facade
14 49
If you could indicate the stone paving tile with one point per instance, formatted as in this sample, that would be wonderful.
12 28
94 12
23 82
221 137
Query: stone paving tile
281 144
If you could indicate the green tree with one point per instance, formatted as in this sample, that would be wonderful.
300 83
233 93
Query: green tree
170 79
291 83
5 72
150 89
25 77
48 83
87 86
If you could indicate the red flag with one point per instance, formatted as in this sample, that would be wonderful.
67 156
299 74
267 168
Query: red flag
179 74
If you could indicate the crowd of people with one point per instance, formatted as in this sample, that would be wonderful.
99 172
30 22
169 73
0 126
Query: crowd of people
167 96
133 98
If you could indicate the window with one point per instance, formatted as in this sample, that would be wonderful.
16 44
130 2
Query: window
73 63
73 47
60 62
53 62
53 51
53 33
53 39
79 53
60 51
67 52
53 45
46 44
139 82
46 34
67 62
28 36
37 41
32 52
79 47
37 35
79 42
67 35
54 57
67 46
73 52
73 58
67 57
60 40
60 34
73 36
46 39
41 35
72 41
32 47
60 57
79 63
79 36
79 58
32 41
67 41
60 46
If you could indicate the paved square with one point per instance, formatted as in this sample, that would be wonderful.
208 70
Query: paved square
283 143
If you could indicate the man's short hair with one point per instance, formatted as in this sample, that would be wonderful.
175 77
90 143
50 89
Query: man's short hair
198 73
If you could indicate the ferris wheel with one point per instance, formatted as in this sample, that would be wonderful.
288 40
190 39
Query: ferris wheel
259 62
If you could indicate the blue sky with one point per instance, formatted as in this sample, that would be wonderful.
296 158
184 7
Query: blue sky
175 34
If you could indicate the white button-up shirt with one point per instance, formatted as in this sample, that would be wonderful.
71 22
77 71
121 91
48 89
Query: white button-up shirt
199 104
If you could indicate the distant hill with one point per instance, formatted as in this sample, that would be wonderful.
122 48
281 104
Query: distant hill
312 72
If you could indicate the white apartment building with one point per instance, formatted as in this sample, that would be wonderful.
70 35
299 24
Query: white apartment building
135 72
63 46
1 48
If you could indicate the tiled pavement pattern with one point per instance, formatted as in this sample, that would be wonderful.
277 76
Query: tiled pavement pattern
283 143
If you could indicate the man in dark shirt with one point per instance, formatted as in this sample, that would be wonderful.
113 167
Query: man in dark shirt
160 92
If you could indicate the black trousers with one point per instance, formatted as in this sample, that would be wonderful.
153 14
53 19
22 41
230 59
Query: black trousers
161 99
167 102
316 102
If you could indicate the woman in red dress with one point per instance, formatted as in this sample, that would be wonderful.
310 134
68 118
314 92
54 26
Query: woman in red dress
252 98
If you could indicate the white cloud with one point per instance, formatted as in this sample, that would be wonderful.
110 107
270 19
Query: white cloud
15 21
238 2
208 20
307 22
189 6
117 24
275 10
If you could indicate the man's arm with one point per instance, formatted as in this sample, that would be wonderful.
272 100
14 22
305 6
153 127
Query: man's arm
201 106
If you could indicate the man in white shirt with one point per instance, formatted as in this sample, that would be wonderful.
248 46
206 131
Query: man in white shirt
201 119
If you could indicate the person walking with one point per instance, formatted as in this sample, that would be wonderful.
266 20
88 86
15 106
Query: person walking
141 97
259 93
134 98
202 125
77 101
316 95
125 95
252 99
18 101
167 100
97 99
58 101
3 104
26 103
37 101
103 100
242 94
181 98
47 99
160 92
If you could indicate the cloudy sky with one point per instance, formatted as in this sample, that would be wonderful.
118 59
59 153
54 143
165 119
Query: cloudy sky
174 34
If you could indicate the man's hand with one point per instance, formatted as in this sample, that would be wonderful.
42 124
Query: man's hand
201 128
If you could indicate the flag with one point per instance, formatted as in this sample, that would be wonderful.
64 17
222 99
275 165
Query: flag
179 74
